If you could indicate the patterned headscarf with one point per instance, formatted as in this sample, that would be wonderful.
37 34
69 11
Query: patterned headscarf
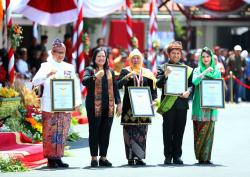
58 44
211 74
131 55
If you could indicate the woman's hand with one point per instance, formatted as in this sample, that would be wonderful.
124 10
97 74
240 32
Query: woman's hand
206 109
168 71
130 74
118 110
99 74
209 69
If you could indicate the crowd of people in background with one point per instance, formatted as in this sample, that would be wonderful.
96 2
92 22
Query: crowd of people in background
28 60
109 69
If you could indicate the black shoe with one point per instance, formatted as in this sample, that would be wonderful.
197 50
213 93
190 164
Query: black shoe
168 160
140 162
201 162
94 163
61 164
177 161
131 162
52 163
208 162
105 163
205 162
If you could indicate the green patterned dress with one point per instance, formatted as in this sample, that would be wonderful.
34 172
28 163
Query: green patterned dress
203 119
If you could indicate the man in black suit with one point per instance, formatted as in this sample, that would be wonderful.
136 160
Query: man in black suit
174 119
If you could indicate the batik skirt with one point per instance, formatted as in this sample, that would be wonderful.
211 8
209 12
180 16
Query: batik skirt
135 141
55 132
203 139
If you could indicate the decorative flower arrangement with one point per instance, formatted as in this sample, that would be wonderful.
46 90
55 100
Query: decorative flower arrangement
86 42
27 117
32 116
15 35
8 92
32 121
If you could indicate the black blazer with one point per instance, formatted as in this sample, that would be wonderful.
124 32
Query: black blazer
88 81
180 103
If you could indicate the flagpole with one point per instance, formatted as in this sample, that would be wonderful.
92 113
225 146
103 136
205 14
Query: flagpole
78 45
11 59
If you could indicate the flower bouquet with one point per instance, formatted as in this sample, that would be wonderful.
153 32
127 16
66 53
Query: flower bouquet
15 36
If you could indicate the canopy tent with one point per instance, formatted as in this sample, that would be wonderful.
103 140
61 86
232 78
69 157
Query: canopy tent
58 12
215 8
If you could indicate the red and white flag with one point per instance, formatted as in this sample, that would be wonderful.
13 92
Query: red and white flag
78 56
129 23
153 10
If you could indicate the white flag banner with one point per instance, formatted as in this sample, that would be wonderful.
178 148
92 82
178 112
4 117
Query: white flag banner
247 1
190 2
100 8
49 13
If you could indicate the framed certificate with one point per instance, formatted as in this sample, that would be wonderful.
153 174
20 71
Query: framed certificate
141 101
62 95
176 83
212 94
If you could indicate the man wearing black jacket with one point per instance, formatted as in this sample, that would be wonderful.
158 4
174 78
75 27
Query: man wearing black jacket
174 119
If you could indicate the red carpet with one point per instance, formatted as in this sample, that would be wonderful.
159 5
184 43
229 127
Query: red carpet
18 145
81 119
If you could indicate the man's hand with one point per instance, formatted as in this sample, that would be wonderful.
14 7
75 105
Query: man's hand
52 72
185 94
168 71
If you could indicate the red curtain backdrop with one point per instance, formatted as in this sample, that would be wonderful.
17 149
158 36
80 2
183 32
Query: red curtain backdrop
118 34
223 5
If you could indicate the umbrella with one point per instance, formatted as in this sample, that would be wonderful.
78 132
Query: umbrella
47 12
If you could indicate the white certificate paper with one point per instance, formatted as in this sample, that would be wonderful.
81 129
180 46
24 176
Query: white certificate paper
212 93
176 83
63 95
141 101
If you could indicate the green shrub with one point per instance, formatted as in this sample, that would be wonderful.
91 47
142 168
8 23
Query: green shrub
12 165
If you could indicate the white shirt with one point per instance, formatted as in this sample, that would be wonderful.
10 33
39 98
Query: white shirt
63 70
22 67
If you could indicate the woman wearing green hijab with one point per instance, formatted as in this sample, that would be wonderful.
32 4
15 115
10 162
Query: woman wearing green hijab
204 119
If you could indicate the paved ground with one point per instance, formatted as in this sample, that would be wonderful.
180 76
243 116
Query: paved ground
231 152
